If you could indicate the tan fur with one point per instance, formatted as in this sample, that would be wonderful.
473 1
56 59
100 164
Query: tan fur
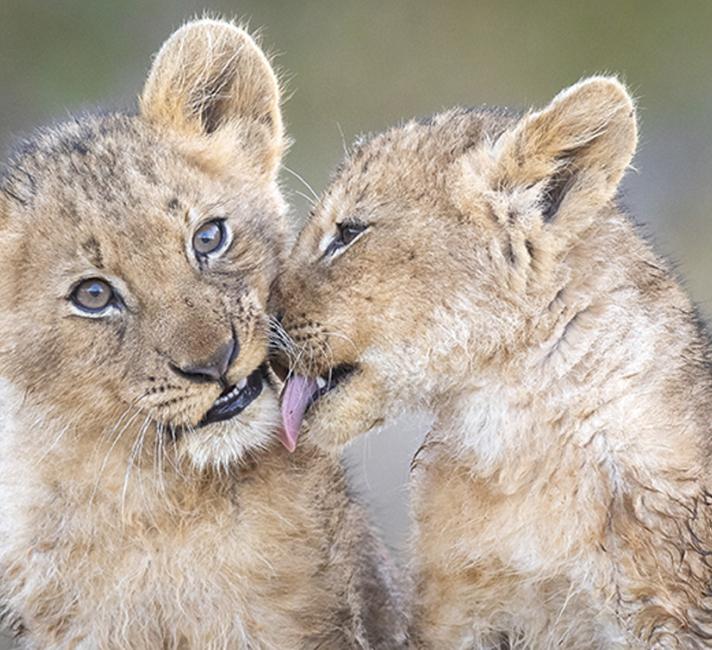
123 524
562 498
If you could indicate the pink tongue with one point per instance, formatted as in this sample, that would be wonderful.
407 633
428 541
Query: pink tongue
295 400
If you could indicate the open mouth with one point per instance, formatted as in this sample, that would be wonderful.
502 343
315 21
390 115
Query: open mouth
300 393
235 399
327 382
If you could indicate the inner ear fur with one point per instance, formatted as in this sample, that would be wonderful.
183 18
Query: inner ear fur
578 146
211 84
587 135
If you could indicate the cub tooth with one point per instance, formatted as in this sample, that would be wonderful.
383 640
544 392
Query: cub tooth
241 384
320 383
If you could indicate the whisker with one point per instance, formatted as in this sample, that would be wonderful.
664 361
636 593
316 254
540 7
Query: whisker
142 437
343 140
119 421
158 457
114 442
280 341
138 443
343 337
332 361
307 198
173 458
55 442
300 178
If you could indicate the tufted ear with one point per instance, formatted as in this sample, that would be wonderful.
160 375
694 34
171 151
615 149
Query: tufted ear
211 85
560 163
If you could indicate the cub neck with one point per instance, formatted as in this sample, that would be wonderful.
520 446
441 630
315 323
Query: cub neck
600 371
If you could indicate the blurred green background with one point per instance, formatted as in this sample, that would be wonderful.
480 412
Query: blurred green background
353 67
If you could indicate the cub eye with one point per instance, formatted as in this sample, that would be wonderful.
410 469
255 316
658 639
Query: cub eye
346 233
93 296
349 231
210 237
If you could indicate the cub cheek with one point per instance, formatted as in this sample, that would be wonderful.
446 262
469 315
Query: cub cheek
340 423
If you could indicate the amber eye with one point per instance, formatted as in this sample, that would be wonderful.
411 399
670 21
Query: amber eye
210 237
93 296
346 234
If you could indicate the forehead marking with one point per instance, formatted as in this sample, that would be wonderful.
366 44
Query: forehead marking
19 184
93 250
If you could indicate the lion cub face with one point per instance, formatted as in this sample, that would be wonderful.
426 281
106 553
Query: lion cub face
435 250
137 253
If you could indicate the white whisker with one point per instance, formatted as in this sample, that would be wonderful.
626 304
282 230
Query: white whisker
301 179
135 449
113 444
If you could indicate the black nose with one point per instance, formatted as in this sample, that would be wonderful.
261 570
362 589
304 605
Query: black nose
213 369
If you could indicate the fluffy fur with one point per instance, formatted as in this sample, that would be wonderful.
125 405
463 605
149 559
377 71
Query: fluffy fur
562 498
123 523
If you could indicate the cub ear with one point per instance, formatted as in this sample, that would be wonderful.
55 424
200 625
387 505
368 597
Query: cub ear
564 161
212 85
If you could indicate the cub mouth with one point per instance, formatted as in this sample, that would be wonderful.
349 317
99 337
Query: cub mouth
236 398
299 395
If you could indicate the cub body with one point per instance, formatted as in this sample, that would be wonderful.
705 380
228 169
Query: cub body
477 265
145 501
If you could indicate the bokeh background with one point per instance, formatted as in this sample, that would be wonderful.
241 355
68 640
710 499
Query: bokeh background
359 66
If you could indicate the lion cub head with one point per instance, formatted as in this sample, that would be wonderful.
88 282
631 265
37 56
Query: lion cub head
137 253
435 249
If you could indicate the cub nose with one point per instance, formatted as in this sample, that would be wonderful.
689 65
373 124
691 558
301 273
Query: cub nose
215 367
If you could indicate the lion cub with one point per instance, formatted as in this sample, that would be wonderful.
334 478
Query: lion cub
477 264
145 501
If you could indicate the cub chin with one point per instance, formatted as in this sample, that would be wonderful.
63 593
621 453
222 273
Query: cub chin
477 264
145 501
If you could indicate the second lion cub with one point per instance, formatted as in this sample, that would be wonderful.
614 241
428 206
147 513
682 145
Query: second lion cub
477 264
